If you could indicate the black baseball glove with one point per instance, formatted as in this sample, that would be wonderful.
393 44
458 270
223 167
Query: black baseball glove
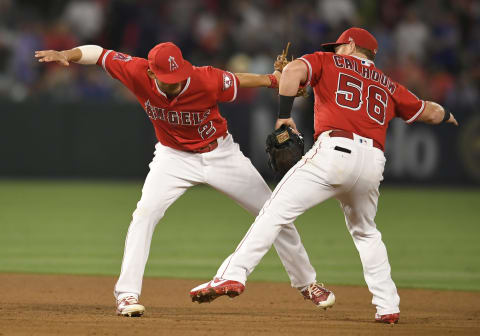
284 149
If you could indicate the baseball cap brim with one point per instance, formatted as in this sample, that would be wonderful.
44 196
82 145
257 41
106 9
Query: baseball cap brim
177 76
330 47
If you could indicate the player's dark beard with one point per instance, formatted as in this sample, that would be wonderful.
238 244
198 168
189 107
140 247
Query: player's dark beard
172 90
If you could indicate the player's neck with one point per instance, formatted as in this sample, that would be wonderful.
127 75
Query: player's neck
359 55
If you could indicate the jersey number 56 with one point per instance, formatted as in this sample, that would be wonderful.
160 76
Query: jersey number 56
349 95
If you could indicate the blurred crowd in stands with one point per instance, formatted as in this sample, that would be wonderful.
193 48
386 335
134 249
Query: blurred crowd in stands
431 46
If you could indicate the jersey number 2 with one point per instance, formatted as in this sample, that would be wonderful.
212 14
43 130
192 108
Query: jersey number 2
207 130
349 95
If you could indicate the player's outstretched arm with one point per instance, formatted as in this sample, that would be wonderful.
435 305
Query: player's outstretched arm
87 54
435 114
250 80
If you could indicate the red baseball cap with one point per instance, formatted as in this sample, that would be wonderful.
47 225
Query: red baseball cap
361 37
167 63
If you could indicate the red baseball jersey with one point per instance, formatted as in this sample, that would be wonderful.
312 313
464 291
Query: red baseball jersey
351 94
190 120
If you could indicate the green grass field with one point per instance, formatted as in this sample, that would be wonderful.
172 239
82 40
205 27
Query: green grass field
78 227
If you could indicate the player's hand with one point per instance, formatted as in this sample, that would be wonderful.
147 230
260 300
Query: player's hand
288 122
452 120
52 56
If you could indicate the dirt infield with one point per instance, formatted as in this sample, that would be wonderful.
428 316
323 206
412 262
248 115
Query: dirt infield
83 305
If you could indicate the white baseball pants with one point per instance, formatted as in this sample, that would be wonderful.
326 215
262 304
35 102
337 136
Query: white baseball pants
226 169
324 172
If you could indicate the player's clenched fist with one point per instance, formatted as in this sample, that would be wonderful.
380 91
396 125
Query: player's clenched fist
452 120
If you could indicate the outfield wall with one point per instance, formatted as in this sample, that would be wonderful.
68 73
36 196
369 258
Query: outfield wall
105 139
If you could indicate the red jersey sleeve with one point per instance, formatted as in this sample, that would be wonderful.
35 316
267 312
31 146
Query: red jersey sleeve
120 66
227 84
314 64
407 105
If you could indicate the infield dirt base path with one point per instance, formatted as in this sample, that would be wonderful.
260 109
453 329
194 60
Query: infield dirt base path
84 305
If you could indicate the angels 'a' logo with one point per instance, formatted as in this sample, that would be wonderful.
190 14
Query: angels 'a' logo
173 64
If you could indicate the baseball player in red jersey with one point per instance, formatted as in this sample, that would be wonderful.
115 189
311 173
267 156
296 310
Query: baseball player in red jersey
193 147
354 102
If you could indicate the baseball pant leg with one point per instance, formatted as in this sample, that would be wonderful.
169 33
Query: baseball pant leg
247 187
303 187
359 205
171 174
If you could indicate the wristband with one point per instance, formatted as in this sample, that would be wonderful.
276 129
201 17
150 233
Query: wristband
273 81
285 107
90 54
446 117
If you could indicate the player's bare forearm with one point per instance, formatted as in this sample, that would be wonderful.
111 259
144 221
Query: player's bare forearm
293 75
249 80
63 57
434 113
72 55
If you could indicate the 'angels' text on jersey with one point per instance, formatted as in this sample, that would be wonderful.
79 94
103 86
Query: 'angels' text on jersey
176 117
